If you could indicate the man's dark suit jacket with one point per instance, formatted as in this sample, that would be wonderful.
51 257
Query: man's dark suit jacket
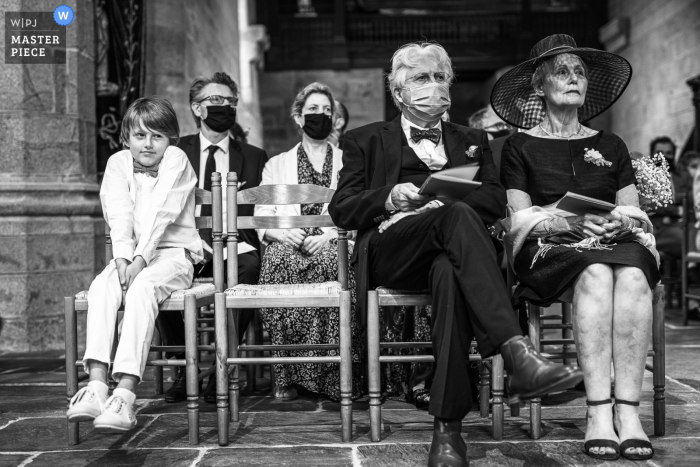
371 168
246 160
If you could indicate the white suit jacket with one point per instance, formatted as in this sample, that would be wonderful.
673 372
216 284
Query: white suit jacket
283 170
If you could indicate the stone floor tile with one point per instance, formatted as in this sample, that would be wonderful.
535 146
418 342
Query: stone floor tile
301 456
13 460
118 457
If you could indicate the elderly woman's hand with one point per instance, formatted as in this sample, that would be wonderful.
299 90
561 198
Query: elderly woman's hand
615 224
588 225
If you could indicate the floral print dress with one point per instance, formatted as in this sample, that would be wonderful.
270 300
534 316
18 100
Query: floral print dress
282 264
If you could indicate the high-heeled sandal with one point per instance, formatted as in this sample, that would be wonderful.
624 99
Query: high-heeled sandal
632 442
601 443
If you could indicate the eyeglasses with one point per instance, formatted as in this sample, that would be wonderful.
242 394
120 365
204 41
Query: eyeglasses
220 100
498 126
423 78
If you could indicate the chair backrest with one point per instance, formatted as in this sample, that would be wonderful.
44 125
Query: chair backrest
213 222
278 195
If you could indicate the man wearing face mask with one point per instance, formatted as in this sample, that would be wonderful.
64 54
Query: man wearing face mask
408 241
213 102
496 129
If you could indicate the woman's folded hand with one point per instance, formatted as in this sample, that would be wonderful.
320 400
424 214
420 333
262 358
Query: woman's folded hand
588 225
315 243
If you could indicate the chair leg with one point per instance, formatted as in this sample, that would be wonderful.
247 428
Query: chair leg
373 366
158 370
345 341
567 318
71 358
191 367
484 389
497 372
535 404
684 289
221 342
659 375
234 388
250 370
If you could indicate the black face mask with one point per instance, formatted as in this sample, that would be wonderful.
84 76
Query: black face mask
317 126
499 133
220 118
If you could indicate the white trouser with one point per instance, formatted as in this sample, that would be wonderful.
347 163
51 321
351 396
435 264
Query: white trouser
169 271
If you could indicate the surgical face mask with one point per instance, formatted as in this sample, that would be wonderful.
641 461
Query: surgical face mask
317 126
499 133
428 101
220 118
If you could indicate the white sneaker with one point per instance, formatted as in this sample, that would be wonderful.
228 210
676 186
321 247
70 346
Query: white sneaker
85 406
118 416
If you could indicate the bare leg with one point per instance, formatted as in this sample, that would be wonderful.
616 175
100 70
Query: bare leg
631 336
593 321
128 382
97 371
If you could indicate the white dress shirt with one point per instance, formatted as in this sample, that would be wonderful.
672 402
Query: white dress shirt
146 212
221 158
433 155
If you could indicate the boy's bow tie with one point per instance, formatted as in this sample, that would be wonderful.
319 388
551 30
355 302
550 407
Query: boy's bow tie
151 171
432 134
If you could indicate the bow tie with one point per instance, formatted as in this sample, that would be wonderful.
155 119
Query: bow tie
433 134
151 171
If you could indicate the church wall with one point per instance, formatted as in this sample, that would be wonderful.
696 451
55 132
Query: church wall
50 220
664 50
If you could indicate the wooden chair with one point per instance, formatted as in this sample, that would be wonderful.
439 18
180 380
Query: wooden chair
686 258
658 366
188 301
391 297
327 294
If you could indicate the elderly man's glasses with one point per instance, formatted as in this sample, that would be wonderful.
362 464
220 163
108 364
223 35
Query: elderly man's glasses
221 100
423 78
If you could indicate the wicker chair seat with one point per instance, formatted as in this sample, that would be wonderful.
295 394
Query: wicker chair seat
321 288
197 289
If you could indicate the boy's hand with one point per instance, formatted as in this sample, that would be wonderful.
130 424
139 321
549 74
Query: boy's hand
133 270
122 264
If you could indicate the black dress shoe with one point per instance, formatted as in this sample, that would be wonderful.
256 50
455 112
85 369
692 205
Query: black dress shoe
448 448
178 391
210 390
531 375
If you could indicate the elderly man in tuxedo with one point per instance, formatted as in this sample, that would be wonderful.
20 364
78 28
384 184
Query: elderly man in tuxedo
213 102
409 241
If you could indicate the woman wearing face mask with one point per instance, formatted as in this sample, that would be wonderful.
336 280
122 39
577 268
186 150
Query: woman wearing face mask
309 255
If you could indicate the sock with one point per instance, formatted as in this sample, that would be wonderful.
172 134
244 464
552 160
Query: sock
100 388
127 395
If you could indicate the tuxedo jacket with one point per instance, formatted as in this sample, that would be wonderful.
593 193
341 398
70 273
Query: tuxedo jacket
248 163
371 168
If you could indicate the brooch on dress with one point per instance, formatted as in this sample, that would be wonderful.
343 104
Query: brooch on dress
472 151
594 157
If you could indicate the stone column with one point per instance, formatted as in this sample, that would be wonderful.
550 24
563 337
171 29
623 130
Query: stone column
694 84
50 217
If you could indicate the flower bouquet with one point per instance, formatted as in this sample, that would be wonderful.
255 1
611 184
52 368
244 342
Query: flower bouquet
653 181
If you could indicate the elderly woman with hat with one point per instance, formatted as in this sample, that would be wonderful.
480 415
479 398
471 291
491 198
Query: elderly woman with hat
606 260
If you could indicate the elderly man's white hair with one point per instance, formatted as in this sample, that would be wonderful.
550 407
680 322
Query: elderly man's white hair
410 56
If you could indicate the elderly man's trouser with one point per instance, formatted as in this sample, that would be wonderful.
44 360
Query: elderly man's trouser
167 272
448 250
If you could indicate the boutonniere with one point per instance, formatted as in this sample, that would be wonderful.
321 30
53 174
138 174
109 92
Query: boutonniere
594 157
473 151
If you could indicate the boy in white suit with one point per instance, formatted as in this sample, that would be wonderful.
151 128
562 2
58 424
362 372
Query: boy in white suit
148 201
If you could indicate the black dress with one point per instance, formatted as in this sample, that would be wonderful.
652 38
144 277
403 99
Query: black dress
546 169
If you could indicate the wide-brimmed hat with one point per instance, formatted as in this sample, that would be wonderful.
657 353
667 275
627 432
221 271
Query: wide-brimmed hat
514 99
